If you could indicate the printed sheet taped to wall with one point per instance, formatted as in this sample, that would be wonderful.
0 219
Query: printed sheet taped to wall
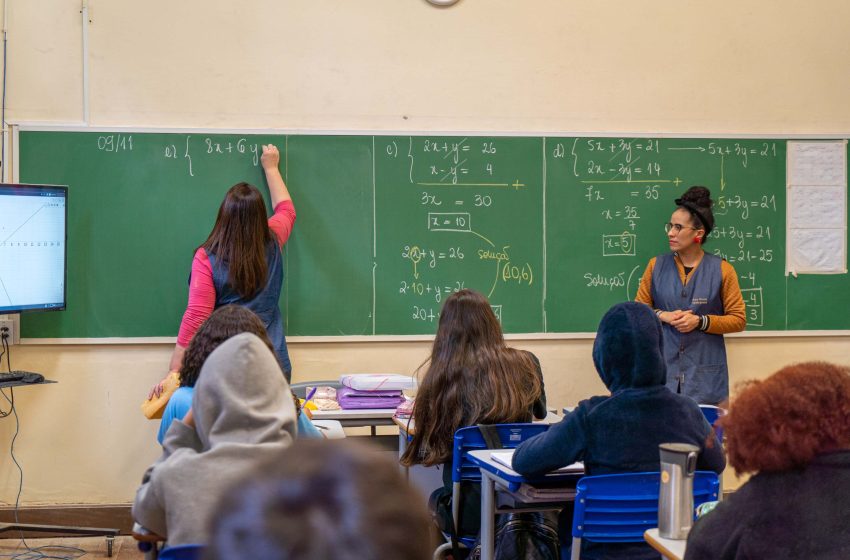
817 207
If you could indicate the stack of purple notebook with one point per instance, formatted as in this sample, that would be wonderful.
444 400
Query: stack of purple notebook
371 390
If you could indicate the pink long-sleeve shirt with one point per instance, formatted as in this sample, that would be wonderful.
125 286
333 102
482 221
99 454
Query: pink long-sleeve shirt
201 287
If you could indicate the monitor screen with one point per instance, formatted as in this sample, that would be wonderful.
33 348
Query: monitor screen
32 247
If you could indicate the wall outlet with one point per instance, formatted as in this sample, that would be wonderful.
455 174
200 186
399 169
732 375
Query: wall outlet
7 330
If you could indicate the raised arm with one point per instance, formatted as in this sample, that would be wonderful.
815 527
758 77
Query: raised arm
270 161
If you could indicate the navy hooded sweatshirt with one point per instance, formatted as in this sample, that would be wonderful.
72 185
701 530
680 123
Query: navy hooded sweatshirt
621 432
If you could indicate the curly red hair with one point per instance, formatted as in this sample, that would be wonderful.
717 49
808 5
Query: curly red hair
782 422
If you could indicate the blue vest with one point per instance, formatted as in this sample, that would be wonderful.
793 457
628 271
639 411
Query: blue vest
264 304
696 361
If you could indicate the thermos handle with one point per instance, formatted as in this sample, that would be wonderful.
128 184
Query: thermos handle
691 464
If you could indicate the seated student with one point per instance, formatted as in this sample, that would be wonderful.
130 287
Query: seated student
621 432
472 378
793 431
242 413
322 499
223 323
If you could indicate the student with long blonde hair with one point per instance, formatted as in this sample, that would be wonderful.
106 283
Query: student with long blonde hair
472 377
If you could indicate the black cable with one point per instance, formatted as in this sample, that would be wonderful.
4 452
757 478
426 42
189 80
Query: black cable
38 553
6 350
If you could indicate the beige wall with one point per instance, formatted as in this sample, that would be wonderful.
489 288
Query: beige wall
757 67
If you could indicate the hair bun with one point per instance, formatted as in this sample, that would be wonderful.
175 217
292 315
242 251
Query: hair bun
698 196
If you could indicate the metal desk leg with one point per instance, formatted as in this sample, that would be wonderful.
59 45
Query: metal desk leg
488 516
402 447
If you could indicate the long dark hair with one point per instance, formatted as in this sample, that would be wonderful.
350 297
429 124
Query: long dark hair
472 378
225 322
240 238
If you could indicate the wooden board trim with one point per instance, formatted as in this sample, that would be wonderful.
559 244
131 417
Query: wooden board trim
404 338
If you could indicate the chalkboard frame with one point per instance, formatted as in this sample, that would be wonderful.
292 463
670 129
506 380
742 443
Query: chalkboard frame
24 126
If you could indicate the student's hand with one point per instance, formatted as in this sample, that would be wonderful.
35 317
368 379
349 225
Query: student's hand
189 419
686 322
157 389
270 158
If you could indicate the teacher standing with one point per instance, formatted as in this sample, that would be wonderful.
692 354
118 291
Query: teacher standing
241 263
697 298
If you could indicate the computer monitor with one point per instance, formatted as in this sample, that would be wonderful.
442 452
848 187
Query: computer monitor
33 248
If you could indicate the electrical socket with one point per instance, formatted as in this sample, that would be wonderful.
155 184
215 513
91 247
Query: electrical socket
7 327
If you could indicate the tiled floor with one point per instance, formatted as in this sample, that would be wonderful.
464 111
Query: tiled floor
95 547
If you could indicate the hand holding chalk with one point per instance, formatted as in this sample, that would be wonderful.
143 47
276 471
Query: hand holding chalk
270 158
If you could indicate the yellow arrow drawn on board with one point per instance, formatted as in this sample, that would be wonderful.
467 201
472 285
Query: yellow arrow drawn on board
722 173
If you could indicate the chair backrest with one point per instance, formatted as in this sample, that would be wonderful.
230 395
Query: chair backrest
470 439
182 552
712 413
620 507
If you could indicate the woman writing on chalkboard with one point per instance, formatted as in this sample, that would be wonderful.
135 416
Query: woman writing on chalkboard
697 298
241 262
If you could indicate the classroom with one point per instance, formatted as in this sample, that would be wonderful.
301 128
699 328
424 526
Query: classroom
523 76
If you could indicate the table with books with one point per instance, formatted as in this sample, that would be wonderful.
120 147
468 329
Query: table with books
364 400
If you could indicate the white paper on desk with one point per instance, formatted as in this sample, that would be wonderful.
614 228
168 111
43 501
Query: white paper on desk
817 250
817 163
816 207
505 457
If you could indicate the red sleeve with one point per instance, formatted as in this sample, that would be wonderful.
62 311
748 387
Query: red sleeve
282 221
201 298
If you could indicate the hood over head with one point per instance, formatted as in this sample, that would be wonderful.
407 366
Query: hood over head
242 397
629 350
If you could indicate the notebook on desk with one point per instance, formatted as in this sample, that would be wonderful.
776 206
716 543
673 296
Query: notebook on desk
505 457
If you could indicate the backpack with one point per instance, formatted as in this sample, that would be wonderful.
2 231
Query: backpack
531 535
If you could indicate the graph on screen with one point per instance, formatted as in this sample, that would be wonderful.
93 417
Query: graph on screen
32 247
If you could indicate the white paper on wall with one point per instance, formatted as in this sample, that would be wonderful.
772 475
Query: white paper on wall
817 163
818 250
817 207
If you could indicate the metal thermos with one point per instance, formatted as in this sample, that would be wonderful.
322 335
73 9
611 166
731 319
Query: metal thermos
676 498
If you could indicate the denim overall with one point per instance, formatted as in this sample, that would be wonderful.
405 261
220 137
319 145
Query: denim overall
696 361
264 304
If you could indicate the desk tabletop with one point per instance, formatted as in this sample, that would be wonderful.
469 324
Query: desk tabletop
672 549
9 384
406 425
354 414
513 479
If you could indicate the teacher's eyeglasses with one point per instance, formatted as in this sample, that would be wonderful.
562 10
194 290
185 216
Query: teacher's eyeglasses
668 227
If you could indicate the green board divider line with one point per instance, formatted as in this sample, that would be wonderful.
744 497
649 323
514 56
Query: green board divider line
553 229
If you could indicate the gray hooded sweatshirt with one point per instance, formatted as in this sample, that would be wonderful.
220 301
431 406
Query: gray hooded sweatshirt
243 413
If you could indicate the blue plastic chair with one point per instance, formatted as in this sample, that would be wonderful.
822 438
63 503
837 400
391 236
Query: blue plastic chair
470 439
182 552
619 508
712 413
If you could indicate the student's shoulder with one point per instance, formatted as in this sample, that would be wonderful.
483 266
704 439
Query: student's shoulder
588 406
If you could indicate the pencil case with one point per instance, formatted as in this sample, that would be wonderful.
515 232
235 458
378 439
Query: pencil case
153 408
349 398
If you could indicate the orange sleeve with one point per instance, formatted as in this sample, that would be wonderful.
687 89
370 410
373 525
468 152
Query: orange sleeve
644 294
734 318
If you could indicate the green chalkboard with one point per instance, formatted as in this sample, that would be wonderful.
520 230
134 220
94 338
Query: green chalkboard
614 195
552 230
